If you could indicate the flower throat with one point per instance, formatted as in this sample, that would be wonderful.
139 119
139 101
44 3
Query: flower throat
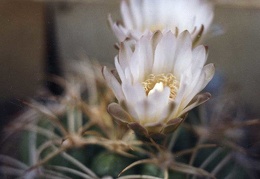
166 79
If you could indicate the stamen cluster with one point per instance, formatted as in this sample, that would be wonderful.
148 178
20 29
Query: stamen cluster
168 80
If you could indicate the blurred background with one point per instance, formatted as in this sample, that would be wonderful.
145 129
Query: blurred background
40 37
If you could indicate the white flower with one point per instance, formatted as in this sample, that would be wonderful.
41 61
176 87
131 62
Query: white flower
140 16
159 80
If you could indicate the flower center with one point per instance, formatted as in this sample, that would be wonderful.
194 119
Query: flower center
157 27
157 82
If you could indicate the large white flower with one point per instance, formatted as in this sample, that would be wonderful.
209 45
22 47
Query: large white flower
140 16
158 81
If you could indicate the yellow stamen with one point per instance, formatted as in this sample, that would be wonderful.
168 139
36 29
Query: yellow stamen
154 82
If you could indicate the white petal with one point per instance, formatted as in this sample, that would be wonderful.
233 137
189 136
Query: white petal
209 71
164 54
135 6
199 99
133 93
204 78
183 86
160 103
129 76
119 69
153 109
183 55
149 15
142 59
119 31
125 53
126 15
113 84
199 57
